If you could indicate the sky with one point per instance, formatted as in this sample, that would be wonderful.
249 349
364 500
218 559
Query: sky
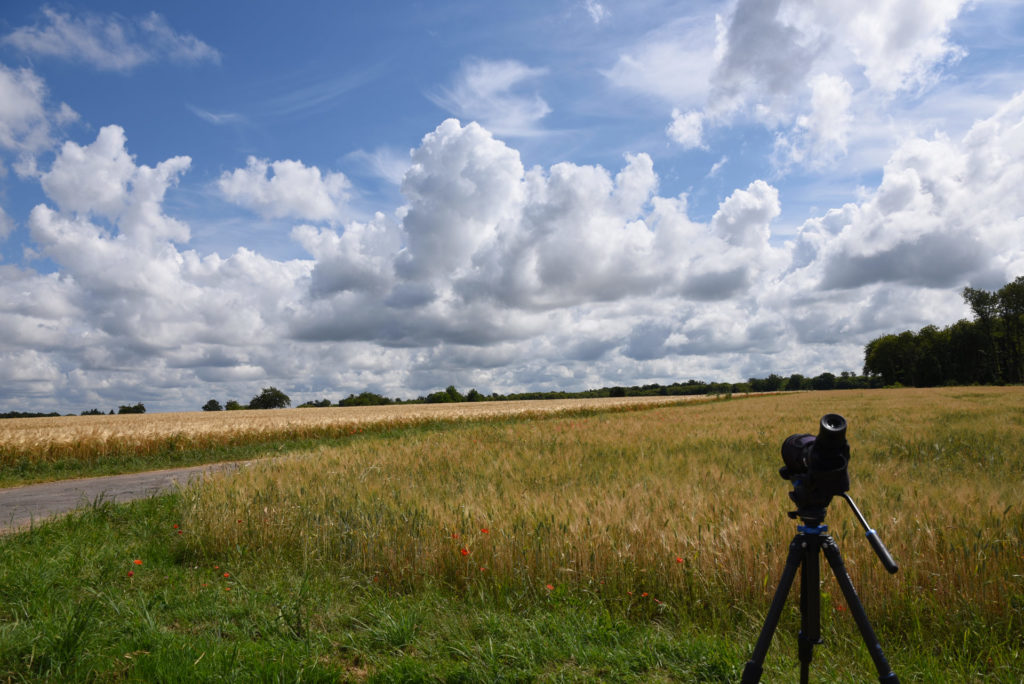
199 200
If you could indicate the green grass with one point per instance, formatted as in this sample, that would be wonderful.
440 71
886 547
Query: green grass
938 475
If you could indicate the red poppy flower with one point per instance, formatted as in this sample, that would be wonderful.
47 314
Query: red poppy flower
679 559
549 587
485 530
644 595
137 561
131 574
227 574
175 526
464 551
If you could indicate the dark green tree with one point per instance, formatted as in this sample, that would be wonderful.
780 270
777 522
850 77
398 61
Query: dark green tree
270 398
212 405
233 405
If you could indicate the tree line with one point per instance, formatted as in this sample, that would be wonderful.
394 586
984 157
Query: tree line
773 383
988 350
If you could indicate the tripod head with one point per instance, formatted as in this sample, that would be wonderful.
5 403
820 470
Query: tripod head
817 468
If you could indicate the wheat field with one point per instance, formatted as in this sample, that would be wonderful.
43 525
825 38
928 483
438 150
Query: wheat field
681 504
96 437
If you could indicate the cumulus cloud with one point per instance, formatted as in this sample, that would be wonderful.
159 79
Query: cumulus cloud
111 43
796 68
292 190
487 91
496 276
687 129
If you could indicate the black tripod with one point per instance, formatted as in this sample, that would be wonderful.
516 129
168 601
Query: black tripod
803 553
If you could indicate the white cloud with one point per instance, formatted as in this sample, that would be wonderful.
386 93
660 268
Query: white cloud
111 43
214 118
6 225
384 162
803 70
687 129
484 91
293 190
596 10
26 127
673 63
102 179
821 136
496 276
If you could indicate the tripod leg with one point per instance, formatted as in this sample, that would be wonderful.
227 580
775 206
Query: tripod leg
835 559
754 667
810 606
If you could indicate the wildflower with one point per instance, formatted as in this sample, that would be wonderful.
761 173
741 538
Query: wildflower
175 526
482 568
643 595
629 593
227 588
239 521
137 561
455 535
180 532
464 551
679 559
549 587
131 573
485 530
227 574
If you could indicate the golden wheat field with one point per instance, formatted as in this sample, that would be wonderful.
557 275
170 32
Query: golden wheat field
679 503
92 436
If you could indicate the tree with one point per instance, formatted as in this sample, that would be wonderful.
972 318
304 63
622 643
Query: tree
137 408
212 405
270 398
93 412
825 381
473 395
233 405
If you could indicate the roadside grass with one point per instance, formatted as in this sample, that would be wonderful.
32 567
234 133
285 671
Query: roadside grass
639 546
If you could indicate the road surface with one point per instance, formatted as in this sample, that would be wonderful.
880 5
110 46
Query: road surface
22 506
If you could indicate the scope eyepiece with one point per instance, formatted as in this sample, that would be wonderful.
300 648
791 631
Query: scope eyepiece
816 465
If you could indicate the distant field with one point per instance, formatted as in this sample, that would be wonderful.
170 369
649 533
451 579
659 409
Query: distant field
36 449
617 546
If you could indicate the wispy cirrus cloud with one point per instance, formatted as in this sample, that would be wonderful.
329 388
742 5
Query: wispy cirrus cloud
110 43
487 91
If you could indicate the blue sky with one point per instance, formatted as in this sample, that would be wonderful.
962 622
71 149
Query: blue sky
202 199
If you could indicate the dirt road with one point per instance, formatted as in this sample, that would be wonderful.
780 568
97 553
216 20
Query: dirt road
22 506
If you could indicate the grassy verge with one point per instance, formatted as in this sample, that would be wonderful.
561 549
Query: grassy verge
636 546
